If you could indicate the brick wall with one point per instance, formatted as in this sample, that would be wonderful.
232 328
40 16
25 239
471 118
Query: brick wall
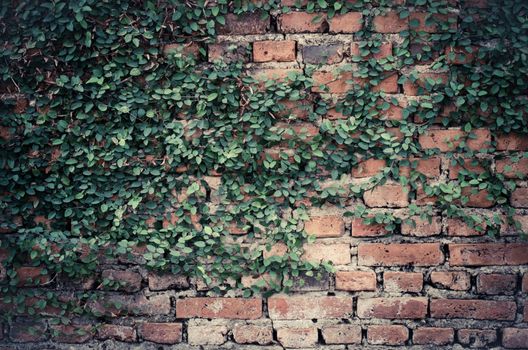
436 284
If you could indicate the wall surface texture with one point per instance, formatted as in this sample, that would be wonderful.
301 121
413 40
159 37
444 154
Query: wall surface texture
438 284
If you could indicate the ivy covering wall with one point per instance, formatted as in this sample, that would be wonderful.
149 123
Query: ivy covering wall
224 141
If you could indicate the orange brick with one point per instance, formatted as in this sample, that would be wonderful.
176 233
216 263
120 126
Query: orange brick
356 280
325 226
390 22
302 22
273 50
350 22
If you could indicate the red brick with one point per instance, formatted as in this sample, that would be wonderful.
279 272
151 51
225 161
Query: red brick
23 332
494 283
248 23
72 334
361 229
399 254
334 82
525 283
356 280
447 140
161 333
350 22
127 281
298 307
387 335
325 226
388 84
274 50
475 198
402 281
454 280
486 254
430 23
383 51
459 228
512 142
430 168
252 333
164 281
477 338
232 308
297 337
519 197
390 22
467 166
387 195
513 169
342 334
117 332
139 305
424 82
369 167
392 308
302 22
422 227
460 55
29 276
337 253
515 338
433 336
525 316
473 309
228 52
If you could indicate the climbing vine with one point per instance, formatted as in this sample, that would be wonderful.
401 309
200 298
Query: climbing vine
115 148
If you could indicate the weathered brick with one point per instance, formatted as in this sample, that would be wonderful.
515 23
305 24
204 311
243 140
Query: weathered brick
515 338
477 338
519 197
454 280
425 83
461 55
495 283
485 254
333 82
253 333
249 23
512 142
71 334
350 22
191 49
117 332
475 198
512 169
361 229
298 307
337 253
433 336
23 332
302 22
431 23
297 337
388 195
228 52
383 51
390 22
392 308
325 226
402 281
387 335
422 227
126 281
458 227
525 283
319 54
161 333
30 276
430 168
206 334
232 308
274 50
468 166
342 334
447 140
369 167
422 254
164 281
473 309
356 280
276 74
